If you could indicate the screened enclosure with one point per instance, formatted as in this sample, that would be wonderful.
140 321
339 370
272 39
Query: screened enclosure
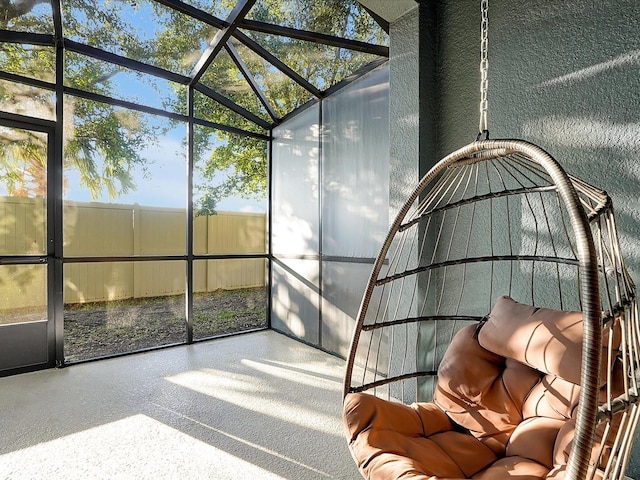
175 171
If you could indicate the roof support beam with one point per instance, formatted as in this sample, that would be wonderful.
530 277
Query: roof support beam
56 8
233 53
379 20
124 62
33 82
315 37
96 97
162 73
221 99
9 36
230 27
284 68
220 39
356 75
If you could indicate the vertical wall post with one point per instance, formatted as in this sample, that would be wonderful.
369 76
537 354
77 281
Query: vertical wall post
55 221
189 220
269 227
320 199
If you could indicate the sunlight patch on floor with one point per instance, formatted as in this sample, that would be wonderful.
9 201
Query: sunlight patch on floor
261 399
136 447
294 375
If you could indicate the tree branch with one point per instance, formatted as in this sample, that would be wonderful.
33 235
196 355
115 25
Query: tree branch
13 9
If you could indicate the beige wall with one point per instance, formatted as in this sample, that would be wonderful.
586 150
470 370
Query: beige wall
97 229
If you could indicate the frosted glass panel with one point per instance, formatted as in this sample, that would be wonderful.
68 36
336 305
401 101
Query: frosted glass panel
295 300
316 292
355 166
343 285
295 158
355 196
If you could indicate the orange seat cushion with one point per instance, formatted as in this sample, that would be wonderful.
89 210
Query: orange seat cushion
503 408
391 440
516 468
481 391
545 339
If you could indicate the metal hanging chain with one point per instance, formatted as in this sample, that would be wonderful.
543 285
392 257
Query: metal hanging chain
484 68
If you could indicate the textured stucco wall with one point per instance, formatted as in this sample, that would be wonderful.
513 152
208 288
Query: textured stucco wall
404 115
564 75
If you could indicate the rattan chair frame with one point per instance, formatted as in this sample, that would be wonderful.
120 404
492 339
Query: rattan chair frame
477 177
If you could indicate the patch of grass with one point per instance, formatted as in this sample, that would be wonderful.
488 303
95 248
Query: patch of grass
220 321
25 314
104 328
123 302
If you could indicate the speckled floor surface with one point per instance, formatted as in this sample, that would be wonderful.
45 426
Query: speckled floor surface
255 406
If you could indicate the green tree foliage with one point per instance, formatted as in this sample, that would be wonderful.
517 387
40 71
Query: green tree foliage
106 143
102 142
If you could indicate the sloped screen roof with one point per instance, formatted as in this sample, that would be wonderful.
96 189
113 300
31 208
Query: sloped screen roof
250 62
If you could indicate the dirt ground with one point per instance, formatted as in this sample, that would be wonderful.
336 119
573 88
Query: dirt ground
101 329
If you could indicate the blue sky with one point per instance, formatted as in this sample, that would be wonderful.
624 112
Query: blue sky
165 181
164 184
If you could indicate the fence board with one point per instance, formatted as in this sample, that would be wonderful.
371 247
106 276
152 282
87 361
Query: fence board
22 226
237 233
162 231
23 286
99 229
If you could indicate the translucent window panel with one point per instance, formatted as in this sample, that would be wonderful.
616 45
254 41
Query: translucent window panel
343 286
33 61
35 17
230 296
91 75
119 307
27 100
355 156
142 30
224 77
341 18
295 299
295 187
208 109
322 65
229 186
23 293
282 92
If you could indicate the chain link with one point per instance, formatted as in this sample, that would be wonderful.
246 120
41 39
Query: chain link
484 67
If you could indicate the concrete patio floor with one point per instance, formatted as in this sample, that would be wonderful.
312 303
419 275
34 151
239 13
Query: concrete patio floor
254 406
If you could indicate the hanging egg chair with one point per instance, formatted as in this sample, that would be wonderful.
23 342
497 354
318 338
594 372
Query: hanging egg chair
498 334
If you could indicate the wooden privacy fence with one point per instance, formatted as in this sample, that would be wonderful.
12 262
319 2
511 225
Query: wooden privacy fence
116 230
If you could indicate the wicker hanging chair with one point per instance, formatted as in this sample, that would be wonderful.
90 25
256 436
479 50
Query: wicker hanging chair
498 335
